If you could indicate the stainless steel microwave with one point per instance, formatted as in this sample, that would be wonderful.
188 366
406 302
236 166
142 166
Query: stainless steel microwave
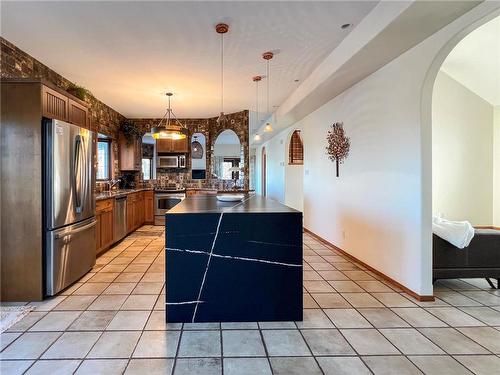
171 161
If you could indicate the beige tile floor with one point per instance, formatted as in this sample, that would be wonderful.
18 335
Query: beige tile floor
113 321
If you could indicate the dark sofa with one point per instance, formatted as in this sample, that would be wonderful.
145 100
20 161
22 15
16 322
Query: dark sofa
481 259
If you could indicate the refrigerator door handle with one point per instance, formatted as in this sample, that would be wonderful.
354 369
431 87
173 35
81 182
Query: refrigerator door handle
74 231
77 174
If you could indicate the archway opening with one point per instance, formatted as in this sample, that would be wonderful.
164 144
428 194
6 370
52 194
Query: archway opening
228 159
466 156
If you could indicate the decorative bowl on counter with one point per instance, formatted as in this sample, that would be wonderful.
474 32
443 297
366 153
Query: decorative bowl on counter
230 197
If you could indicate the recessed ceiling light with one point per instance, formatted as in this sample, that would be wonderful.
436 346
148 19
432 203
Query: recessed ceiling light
346 26
257 137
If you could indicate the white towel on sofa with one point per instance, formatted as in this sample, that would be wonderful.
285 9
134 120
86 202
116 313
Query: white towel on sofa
458 233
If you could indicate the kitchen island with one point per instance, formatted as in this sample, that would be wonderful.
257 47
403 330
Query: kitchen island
233 261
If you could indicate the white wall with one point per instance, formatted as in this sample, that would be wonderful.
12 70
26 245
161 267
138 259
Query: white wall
373 208
496 168
294 186
380 208
462 153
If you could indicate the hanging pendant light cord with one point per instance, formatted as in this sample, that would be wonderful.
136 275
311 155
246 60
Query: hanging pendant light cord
268 78
168 115
257 100
168 119
222 73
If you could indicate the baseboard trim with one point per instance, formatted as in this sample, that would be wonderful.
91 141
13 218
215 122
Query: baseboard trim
486 227
418 297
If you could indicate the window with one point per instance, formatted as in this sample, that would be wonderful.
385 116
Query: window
227 164
296 150
147 168
103 159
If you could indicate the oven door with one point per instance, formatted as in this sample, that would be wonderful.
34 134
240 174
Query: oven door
163 203
167 162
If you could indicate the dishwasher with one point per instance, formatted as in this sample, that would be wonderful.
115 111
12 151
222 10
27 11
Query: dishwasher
120 218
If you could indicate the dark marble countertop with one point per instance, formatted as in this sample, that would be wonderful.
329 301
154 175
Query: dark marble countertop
117 193
226 191
251 203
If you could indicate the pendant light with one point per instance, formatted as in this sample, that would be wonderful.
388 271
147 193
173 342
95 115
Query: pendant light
221 29
196 149
257 79
268 56
169 130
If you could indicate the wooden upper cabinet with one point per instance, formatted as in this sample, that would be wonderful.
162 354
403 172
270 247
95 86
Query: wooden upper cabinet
163 145
59 106
130 154
78 114
180 145
172 145
54 104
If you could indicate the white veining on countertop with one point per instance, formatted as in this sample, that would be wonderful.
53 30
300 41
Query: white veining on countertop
208 264
234 257
184 303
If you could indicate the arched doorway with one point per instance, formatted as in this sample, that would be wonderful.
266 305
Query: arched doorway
448 44
263 172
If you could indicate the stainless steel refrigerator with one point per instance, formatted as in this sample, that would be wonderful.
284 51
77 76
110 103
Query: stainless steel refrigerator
69 204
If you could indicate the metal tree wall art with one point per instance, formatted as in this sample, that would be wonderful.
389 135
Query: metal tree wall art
338 144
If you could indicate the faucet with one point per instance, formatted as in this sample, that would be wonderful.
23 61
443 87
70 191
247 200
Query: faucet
112 183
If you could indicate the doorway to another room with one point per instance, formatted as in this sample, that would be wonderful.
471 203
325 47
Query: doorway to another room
263 177
466 160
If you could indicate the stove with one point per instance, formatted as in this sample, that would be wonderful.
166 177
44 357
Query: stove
170 190
165 200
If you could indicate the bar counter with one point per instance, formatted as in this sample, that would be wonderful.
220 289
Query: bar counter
233 261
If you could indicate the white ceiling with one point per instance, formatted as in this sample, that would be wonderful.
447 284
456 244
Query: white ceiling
130 53
475 62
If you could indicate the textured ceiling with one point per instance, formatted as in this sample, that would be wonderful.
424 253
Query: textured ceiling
129 53
475 62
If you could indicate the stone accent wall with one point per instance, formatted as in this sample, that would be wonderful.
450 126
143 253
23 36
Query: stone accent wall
238 122
16 63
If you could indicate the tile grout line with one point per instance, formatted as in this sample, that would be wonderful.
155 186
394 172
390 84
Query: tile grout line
319 308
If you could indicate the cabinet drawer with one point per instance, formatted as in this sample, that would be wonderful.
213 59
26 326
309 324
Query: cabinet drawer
104 205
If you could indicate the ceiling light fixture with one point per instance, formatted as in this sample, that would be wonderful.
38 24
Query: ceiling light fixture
257 79
268 56
170 130
196 149
221 29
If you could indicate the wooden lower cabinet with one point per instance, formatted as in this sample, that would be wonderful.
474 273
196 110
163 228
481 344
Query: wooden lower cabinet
104 226
135 210
139 211
130 212
149 209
